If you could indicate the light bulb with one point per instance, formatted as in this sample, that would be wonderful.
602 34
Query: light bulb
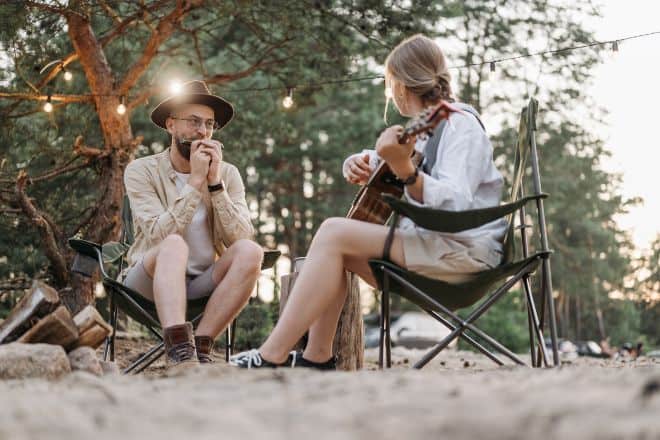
48 106
121 109
287 102
68 76
175 87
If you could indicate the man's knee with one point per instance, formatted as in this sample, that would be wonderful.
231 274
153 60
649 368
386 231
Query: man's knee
174 244
248 254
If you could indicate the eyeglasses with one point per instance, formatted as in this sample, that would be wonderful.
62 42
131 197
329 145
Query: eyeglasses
195 123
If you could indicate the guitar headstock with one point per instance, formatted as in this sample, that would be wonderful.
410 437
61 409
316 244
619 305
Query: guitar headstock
427 120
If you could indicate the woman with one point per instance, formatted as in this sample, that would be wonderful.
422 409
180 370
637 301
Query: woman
463 177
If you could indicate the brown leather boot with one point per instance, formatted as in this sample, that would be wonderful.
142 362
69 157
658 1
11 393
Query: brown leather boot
204 345
180 350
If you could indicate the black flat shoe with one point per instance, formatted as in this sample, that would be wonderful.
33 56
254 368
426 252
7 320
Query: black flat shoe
296 360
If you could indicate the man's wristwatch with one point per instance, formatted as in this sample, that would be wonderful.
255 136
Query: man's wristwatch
411 179
217 187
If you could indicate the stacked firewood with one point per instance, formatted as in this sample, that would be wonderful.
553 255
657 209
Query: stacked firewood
40 317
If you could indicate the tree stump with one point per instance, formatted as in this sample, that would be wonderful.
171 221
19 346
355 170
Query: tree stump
348 345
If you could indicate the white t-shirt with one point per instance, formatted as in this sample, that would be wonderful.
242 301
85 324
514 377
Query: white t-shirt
201 253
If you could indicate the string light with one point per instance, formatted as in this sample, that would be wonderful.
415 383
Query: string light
121 108
175 87
48 106
68 76
287 102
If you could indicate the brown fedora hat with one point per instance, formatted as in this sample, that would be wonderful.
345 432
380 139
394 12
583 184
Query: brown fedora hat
194 92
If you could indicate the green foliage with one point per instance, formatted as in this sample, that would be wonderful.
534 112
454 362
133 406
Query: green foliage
291 160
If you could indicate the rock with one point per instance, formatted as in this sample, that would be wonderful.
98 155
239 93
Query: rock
84 359
22 361
110 368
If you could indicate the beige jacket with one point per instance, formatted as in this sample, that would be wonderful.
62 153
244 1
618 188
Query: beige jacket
159 209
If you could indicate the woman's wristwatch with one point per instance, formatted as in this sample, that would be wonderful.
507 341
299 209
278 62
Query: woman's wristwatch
411 179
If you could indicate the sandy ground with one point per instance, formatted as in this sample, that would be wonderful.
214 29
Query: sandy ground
460 395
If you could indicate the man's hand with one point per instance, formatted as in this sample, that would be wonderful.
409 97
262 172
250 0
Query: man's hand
213 149
200 160
358 169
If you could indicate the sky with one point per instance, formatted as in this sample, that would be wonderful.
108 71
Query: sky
627 85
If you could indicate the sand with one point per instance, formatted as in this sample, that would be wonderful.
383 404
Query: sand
460 395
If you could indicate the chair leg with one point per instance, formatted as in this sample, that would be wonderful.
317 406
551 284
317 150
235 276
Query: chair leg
228 343
530 323
541 355
466 337
381 325
110 340
232 340
386 321
144 357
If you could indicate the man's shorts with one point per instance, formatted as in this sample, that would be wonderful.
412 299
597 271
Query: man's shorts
197 286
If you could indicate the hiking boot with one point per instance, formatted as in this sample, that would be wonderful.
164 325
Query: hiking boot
180 350
204 346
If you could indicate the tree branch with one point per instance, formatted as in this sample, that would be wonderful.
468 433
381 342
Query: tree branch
49 239
166 26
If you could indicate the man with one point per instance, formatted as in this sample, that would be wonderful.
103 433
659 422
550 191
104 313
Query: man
189 208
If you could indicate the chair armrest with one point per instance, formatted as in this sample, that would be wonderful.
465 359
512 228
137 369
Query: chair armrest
455 221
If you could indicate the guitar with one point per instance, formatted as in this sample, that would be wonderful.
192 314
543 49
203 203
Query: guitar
368 204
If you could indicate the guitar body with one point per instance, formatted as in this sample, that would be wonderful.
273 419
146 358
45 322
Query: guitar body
368 205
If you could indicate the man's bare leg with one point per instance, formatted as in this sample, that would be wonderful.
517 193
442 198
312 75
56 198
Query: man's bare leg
235 273
166 264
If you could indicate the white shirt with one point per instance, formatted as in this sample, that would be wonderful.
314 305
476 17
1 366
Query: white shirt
463 177
197 235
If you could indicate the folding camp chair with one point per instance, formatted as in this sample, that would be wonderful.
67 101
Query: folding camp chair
441 299
91 256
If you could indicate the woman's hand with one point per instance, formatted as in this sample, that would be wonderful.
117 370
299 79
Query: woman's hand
358 169
398 156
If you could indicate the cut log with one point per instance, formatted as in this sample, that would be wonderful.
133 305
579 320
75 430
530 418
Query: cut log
57 328
349 339
348 344
40 301
92 328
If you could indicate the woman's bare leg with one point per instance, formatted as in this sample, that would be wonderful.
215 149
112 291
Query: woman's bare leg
320 288
323 330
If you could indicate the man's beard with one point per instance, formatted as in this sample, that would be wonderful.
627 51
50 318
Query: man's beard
183 147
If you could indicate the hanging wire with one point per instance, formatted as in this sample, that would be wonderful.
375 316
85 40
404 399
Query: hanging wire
614 46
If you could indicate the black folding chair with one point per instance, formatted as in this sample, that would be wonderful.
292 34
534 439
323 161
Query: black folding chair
441 299
91 256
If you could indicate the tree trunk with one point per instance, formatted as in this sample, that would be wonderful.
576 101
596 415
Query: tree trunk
119 146
348 344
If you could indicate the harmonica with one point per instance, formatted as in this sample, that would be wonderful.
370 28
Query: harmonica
188 143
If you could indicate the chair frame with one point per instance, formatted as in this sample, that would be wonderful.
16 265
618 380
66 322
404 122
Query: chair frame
465 327
91 254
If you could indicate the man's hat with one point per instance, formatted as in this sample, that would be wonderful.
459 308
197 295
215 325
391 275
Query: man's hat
194 92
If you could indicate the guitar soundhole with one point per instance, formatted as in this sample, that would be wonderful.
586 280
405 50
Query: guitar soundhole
390 179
